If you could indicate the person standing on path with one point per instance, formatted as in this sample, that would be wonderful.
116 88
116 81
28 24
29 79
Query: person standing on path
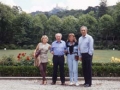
85 51
72 51
42 59
58 49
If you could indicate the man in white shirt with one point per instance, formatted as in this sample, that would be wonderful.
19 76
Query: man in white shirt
85 52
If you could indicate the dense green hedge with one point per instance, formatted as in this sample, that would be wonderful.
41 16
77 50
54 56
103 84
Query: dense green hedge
32 46
13 46
106 64
101 71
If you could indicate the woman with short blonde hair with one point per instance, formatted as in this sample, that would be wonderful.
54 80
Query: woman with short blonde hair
44 36
43 47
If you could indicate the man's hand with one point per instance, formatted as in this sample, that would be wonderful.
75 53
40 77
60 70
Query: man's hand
80 58
52 52
65 51
49 47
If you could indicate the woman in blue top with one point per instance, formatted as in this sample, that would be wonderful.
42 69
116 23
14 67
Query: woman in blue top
72 51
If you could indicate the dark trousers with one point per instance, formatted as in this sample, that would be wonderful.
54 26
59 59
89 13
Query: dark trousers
58 61
87 68
42 68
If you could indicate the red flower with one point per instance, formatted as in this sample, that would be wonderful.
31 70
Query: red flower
19 53
28 58
23 54
18 56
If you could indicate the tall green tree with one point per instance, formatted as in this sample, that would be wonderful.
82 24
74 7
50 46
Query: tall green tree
6 22
22 28
102 8
37 28
90 22
54 26
43 19
17 10
69 26
106 26
116 16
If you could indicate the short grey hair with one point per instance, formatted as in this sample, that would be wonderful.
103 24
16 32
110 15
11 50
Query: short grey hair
58 34
84 27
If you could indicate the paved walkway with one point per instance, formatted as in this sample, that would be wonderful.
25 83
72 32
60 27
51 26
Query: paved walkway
35 85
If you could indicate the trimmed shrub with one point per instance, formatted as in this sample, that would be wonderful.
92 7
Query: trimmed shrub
12 46
29 71
4 46
31 47
25 46
7 61
99 47
28 47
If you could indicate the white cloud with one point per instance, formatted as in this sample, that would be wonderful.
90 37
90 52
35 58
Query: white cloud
41 5
47 5
81 4
41 8
61 4
8 2
26 10
112 2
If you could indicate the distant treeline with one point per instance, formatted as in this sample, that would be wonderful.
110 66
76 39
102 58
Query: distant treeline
18 28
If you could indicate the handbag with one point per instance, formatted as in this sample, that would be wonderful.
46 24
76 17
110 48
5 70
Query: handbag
37 59
76 57
37 62
37 53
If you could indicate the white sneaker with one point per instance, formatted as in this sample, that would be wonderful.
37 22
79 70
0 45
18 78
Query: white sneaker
77 84
71 83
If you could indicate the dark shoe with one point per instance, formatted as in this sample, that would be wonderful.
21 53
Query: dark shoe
87 85
63 84
83 84
53 83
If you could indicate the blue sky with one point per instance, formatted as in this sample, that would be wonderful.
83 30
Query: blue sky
47 5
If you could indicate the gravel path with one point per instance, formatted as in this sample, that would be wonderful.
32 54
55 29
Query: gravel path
35 85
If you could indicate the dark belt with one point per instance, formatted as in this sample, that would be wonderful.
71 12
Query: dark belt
58 55
84 53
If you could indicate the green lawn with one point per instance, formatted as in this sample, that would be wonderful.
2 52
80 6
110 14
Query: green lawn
99 55
105 55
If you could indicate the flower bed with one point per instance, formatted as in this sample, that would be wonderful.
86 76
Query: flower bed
23 66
